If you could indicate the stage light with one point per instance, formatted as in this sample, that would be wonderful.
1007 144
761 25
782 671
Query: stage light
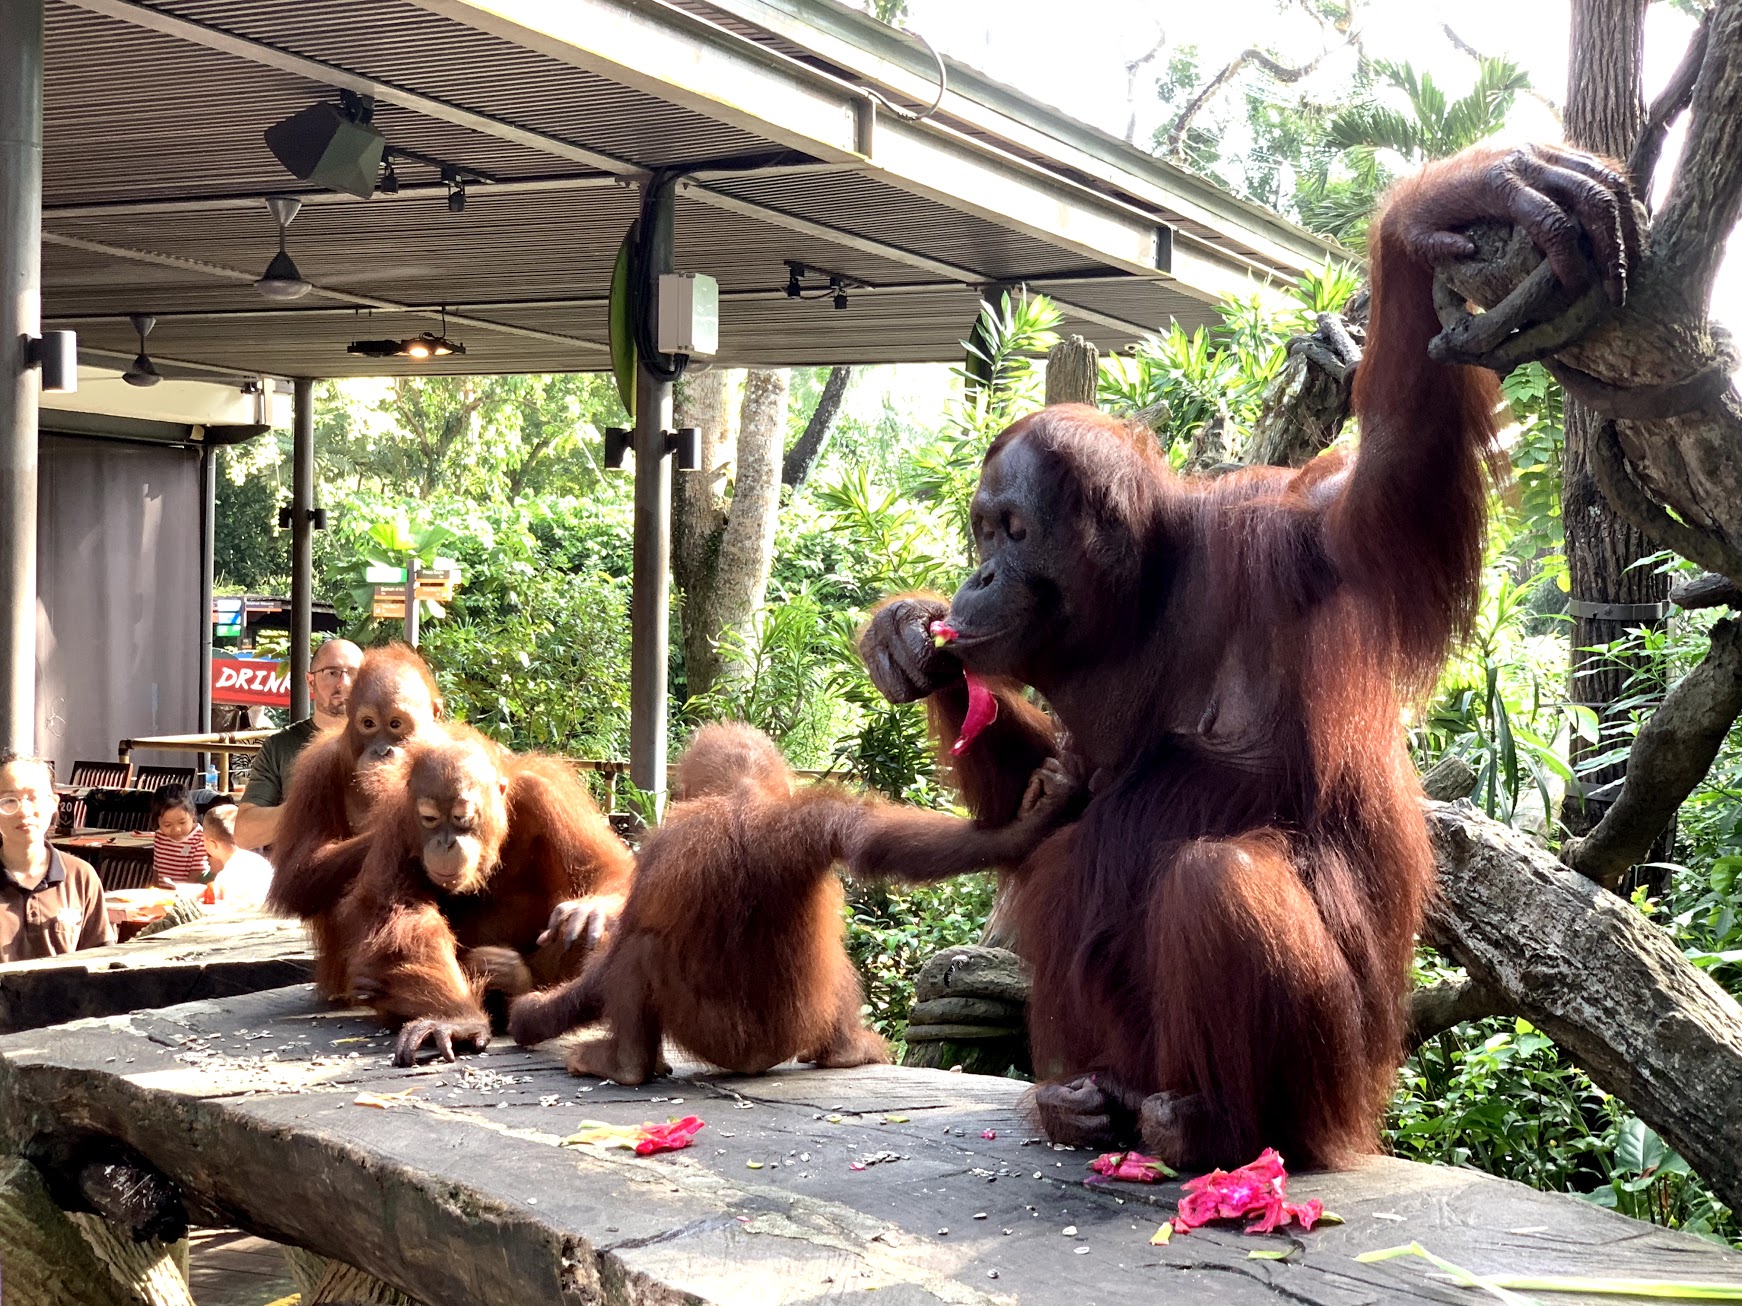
282 280
389 179
794 279
326 145
840 290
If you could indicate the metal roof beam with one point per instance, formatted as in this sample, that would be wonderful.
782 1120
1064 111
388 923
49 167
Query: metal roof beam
221 273
314 70
894 253
318 199
670 54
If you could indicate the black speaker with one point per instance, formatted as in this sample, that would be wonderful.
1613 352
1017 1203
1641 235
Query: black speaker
323 146
618 443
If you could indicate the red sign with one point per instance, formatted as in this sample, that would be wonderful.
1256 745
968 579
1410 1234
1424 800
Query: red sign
251 682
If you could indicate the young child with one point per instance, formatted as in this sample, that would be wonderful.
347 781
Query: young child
239 876
178 849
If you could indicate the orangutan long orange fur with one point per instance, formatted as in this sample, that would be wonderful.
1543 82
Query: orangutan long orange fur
422 949
731 940
315 859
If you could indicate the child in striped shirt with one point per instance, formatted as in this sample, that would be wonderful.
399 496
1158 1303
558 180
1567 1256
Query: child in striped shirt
178 848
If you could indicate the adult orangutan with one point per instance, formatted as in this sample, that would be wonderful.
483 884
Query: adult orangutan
394 699
468 853
730 943
1221 944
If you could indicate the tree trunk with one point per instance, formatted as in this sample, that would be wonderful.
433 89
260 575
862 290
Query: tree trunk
1605 112
803 455
698 515
1073 372
1601 980
737 575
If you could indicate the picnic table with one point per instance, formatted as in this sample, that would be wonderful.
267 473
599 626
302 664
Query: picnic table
228 950
450 1181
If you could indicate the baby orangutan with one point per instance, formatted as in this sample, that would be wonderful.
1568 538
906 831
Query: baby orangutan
470 849
731 940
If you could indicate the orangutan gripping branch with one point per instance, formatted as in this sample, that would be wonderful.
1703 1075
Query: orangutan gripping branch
314 860
469 852
730 942
1221 944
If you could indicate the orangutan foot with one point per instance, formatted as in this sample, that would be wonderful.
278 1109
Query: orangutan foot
1091 1110
1182 1130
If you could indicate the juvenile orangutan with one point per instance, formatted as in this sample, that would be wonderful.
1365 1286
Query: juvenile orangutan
314 859
469 852
731 940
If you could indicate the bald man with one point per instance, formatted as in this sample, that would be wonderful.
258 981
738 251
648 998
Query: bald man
331 672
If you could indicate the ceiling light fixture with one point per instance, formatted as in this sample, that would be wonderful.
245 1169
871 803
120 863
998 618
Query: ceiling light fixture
389 178
282 280
456 184
794 279
143 372
418 348
839 288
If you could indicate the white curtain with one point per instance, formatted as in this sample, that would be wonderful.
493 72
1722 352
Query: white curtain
118 580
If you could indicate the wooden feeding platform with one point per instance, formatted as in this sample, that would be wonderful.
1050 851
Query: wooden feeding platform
226 951
451 1183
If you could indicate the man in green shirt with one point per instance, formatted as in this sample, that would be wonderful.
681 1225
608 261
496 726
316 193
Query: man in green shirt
331 672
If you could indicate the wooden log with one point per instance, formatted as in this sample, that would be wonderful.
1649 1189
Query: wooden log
1073 372
1601 980
152 1273
54 1259
320 1279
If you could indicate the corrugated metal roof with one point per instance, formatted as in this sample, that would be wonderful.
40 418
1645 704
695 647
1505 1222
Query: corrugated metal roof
155 162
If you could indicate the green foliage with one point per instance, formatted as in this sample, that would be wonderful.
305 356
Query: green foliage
890 935
252 556
1177 382
1499 1096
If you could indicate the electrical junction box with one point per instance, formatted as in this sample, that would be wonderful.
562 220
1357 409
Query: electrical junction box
689 314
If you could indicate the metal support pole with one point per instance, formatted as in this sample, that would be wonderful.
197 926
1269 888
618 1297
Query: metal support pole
302 545
20 383
411 613
208 562
650 602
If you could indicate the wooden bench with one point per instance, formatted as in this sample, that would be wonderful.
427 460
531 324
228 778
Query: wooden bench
448 1181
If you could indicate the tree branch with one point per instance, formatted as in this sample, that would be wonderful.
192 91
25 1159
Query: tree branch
804 452
1465 48
1660 344
1602 981
1708 591
1670 755
1705 199
1177 133
1435 1008
1668 106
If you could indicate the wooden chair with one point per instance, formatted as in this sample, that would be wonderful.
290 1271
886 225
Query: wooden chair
101 775
150 778
125 868
117 809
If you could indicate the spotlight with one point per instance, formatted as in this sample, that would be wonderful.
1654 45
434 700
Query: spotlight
281 279
389 179
794 276
142 373
840 291
326 145
456 189
418 348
